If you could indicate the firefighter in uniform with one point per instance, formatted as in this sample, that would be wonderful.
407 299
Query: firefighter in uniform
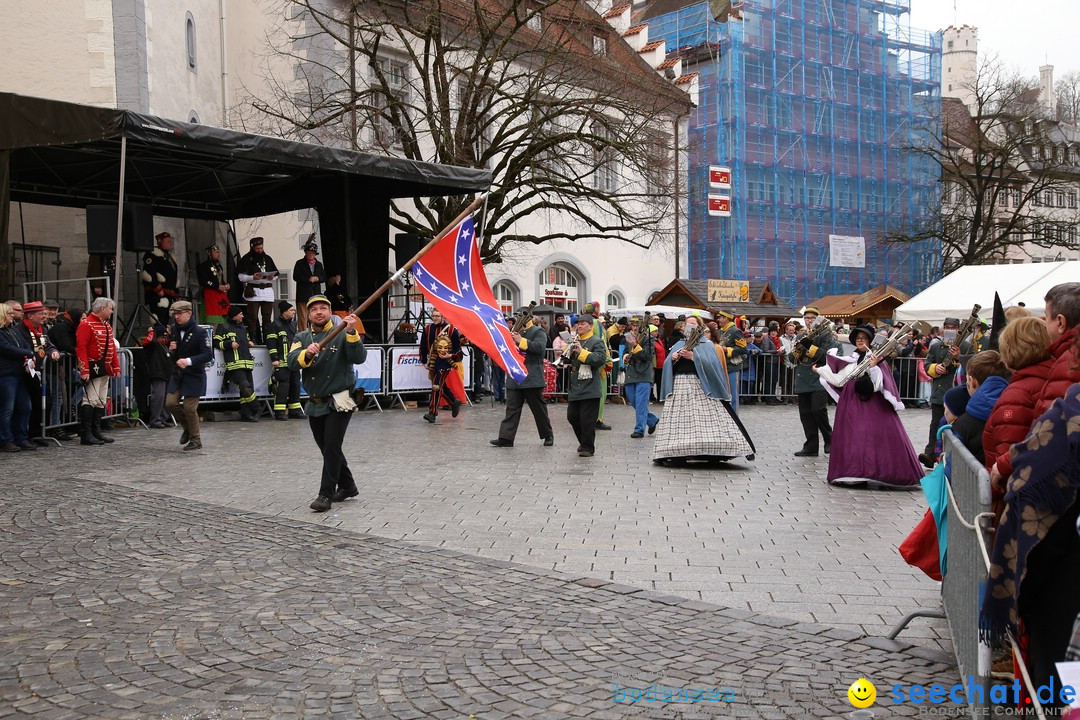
159 277
286 382
232 339
734 344
330 381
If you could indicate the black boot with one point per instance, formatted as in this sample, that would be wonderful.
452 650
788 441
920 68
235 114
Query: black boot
86 421
247 413
95 427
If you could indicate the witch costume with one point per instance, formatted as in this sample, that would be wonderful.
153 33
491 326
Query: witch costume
870 445
698 422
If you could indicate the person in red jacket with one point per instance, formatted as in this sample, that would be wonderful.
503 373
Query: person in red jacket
661 355
95 349
1062 321
1025 349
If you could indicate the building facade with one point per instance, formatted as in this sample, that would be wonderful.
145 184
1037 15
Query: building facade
811 106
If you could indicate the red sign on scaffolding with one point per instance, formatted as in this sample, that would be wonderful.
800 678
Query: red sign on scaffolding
719 206
719 177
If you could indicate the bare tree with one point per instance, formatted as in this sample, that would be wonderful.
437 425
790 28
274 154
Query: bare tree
1009 175
1068 94
542 93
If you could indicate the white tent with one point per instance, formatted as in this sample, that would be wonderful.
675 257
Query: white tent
955 294
669 311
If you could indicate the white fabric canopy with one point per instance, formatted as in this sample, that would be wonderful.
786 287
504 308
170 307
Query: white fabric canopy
955 294
669 311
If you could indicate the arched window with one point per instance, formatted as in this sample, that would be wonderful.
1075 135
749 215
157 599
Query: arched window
614 300
193 118
506 296
560 286
189 28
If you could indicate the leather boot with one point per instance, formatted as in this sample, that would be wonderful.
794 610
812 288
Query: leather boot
95 427
86 421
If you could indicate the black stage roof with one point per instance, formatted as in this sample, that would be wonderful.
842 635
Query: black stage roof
67 154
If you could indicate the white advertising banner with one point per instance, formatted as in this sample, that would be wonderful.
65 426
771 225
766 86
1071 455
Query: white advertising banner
847 251
215 374
369 372
407 374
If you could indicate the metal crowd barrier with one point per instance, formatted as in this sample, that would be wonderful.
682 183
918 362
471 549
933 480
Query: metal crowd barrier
62 392
963 583
970 539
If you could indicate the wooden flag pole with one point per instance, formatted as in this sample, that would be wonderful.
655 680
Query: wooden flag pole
405 268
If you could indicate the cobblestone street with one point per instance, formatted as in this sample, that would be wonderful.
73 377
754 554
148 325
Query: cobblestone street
138 581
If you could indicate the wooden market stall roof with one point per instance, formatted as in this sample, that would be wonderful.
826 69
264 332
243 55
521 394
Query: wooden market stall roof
878 302
761 301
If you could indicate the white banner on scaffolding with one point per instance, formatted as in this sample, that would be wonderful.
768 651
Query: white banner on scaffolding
847 251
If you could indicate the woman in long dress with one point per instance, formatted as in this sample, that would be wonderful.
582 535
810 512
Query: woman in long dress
698 422
870 445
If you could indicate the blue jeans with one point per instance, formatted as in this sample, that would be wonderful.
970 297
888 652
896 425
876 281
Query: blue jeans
498 382
14 409
638 394
733 378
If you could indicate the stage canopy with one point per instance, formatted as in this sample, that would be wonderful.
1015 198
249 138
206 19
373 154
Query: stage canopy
66 154
60 153
955 294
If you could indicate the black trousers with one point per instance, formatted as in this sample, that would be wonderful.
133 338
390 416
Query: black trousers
581 414
515 400
287 392
936 413
814 415
329 431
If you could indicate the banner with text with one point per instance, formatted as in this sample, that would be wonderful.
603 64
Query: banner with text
847 251
407 374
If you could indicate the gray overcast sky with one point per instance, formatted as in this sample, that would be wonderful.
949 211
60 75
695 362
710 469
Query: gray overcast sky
1024 35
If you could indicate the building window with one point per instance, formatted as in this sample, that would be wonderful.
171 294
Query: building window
614 300
189 32
605 177
599 45
559 286
393 96
534 22
506 296
193 118
1072 200
1060 199
476 122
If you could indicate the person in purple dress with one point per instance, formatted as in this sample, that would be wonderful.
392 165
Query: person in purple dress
870 446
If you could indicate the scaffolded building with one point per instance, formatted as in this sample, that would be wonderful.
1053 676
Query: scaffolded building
813 105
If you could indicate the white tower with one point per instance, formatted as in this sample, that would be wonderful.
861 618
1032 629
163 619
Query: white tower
1047 97
959 63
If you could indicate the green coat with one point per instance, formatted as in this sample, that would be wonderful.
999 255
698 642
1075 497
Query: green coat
806 380
943 380
734 343
641 364
594 354
533 344
331 371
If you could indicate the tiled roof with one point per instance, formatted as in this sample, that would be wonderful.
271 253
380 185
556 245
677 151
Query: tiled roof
634 30
669 62
695 293
649 47
616 11
685 79
852 305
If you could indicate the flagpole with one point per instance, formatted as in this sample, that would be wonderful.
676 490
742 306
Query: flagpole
405 268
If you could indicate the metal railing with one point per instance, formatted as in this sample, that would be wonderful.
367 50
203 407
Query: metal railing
62 392
969 541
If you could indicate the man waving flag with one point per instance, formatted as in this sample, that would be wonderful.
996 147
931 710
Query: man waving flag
452 278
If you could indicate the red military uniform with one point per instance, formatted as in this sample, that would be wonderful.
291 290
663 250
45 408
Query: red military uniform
94 342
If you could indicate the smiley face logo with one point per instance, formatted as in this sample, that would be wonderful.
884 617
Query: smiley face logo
862 693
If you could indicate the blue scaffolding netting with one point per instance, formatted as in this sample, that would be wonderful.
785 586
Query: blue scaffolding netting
814 106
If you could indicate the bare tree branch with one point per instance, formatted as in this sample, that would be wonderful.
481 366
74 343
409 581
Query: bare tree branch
513 86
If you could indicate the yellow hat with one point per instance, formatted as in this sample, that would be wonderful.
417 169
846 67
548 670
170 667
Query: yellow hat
320 298
811 309
725 313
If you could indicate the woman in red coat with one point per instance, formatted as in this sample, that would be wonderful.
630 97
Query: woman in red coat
1024 347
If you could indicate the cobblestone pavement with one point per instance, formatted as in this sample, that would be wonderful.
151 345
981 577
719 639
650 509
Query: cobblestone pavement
767 536
121 603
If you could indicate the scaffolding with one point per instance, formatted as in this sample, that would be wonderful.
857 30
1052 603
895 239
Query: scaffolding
812 104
